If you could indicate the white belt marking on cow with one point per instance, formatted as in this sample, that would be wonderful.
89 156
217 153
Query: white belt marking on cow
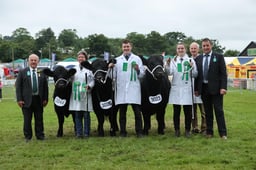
155 99
59 102
106 104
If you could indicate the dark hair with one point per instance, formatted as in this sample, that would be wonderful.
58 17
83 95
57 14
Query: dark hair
126 41
207 40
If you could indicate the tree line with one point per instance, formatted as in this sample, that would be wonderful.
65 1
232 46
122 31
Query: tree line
20 44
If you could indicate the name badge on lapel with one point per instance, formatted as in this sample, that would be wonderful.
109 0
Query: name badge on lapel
28 73
125 65
214 59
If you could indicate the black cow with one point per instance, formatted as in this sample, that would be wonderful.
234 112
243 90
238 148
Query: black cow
102 95
62 92
155 87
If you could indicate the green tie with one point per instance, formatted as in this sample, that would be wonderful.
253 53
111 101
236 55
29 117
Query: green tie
34 85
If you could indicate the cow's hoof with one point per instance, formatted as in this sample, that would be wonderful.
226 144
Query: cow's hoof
145 132
101 134
59 135
112 133
161 132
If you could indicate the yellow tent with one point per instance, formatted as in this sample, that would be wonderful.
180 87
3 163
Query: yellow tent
251 62
235 62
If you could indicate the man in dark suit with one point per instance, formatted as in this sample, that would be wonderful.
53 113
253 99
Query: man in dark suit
32 96
211 83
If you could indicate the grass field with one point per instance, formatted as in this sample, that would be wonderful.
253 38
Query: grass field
151 152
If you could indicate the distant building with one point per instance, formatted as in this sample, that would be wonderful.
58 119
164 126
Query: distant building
250 50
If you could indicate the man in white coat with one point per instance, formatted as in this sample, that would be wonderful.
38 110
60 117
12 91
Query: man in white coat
80 99
181 94
127 71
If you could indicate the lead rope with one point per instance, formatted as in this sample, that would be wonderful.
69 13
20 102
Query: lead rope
152 72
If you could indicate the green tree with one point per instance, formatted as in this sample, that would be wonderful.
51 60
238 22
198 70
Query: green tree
231 53
138 42
115 46
23 43
155 43
67 38
46 42
5 51
172 39
217 47
98 44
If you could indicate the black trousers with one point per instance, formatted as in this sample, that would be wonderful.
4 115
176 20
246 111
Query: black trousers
214 102
188 116
122 118
37 109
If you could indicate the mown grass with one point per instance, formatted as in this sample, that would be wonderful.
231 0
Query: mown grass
151 152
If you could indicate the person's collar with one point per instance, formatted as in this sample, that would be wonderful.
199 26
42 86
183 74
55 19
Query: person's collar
210 53
31 69
127 54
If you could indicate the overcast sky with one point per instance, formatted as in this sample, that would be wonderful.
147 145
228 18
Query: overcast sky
231 22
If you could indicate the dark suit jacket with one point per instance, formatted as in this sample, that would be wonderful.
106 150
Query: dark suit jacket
217 74
24 87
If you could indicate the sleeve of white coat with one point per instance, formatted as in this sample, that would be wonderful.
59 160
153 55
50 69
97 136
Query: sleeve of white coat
167 68
194 69
142 69
172 67
112 73
90 79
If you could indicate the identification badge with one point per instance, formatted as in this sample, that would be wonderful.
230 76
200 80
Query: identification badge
179 66
155 99
125 65
106 104
59 102
214 59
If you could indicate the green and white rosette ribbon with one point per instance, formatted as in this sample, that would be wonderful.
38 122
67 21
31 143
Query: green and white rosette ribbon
187 68
78 88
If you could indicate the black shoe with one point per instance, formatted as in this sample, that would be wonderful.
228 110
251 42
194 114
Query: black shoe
79 136
177 133
187 134
123 134
40 138
27 140
139 135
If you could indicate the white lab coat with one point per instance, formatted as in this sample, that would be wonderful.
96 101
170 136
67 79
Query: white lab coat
78 98
181 92
127 83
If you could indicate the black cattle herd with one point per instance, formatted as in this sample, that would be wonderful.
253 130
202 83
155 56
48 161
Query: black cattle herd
155 87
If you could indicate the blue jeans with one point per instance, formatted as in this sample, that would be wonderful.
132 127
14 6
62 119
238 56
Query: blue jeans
79 123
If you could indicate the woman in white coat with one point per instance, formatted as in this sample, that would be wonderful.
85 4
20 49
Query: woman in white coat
127 71
181 93
80 99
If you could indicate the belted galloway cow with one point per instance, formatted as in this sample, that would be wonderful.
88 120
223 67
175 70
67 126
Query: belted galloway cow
155 87
62 92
